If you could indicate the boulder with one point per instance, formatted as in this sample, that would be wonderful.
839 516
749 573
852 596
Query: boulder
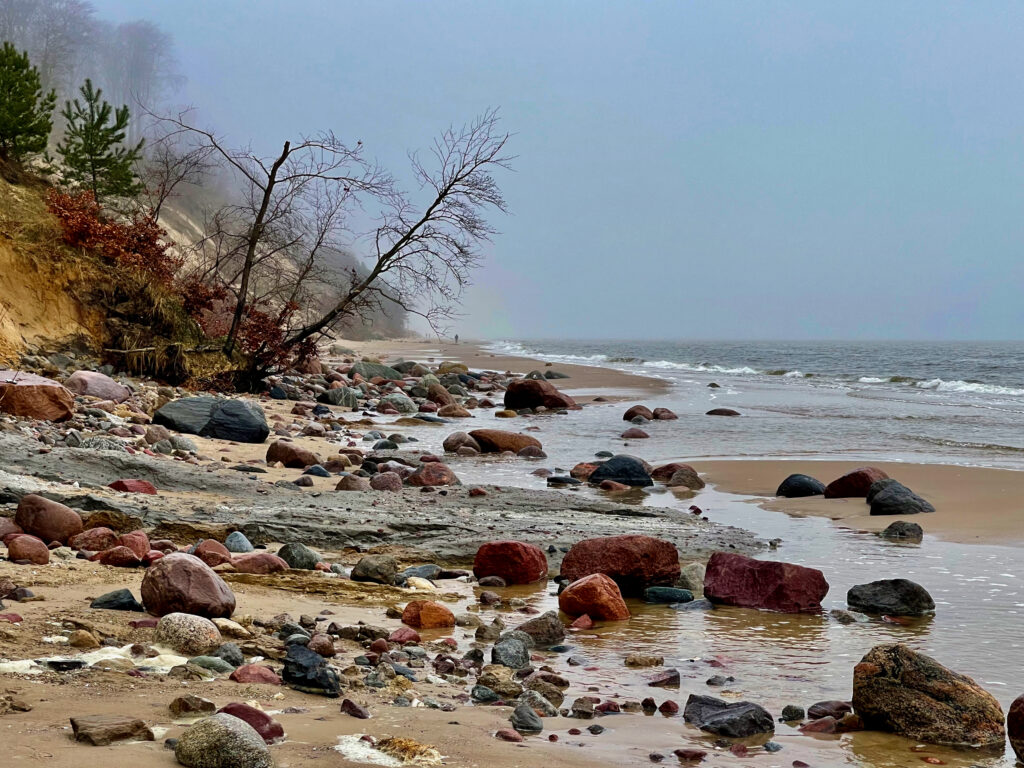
267 727
47 520
120 557
353 483
722 412
634 433
534 393
299 556
133 486
498 440
222 741
453 411
181 583
8 526
1015 727
25 548
633 562
237 542
732 579
896 499
854 484
386 481
377 569
624 469
457 440
101 730
513 561
291 455
546 629
736 720
901 530
118 600
240 420
212 552
427 614
28 396
685 477
309 672
510 652
255 673
799 486
136 541
638 410
432 473
664 414
399 401
374 370
187 634
905 692
664 473
595 595
894 597
259 562
98 385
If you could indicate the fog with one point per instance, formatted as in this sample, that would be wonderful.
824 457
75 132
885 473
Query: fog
685 170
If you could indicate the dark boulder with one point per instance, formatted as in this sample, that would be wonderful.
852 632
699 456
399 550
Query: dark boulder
878 486
722 412
897 499
240 420
901 530
732 579
894 597
736 720
532 393
309 672
798 486
624 469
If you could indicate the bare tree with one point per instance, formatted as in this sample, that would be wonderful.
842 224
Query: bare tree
171 160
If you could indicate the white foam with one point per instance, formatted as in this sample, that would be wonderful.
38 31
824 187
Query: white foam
358 751
871 380
939 385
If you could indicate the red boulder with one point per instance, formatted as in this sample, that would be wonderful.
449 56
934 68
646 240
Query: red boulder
267 727
259 562
255 673
136 541
634 562
291 455
33 397
120 557
29 549
94 540
212 552
596 596
426 614
854 484
133 486
742 581
8 526
498 440
432 473
514 561
49 520
180 583
533 393
638 410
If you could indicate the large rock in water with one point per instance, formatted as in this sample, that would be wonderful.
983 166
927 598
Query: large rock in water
855 484
899 690
498 440
222 741
597 596
240 420
895 597
532 393
733 579
181 583
1015 727
514 561
633 562
896 499
624 469
735 720
546 629
47 520
34 397
98 385
799 486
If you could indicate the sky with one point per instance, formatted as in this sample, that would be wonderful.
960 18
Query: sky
700 170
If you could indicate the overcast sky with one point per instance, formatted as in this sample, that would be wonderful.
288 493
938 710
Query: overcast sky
686 169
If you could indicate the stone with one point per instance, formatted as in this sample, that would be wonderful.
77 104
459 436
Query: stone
596 596
634 433
120 557
404 635
453 411
510 652
638 410
667 595
28 396
8 526
259 563
369 370
833 708
94 539
386 481
83 640
644 660
902 691
309 672
191 706
525 720
291 455
378 569
353 483
229 652
735 720
1015 727
901 530
118 600
212 552
514 562
664 414
896 499
685 477
854 484
733 579
267 727
101 730
47 520
634 562
534 393
212 663
236 542
432 473
499 440
624 469
691 577
222 741
350 708
299 556
133 486
670 678
508 734
798 486
791 713
98 385
24 548
722 412
181 583
894 597
255 673
187 634
427 614
457 440
242 421
546 629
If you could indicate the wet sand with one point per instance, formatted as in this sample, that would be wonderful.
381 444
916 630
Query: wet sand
972 504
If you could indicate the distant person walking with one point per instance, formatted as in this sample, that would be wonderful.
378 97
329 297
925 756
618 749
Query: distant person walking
456 338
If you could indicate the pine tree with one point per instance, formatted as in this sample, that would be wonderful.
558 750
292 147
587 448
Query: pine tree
25 111
93 148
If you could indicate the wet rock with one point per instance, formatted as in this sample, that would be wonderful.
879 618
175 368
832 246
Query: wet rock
685 477
638 410
510 652
689 756
792 713
255 673
230 653
799 486
427 614
895 597
291 455
309 672
854 484
34 397
644 660
180 583
634 562
458 440
634 433
22 548
624 469
534 393
212 663
538 703
525 720
498 440
667 595
546 629
377 569
667 679
733 579
835 709
722 412
595 595
98 385
901 530
260 563
47 520
899 690
187 634
267 727
1015 727
515 562
736 720
299 556
240 420
691 577
222 741
432 474
101 730
897 499
191 706
118 600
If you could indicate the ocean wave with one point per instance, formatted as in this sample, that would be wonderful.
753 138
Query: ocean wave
668 365
946 443
939 385
871 380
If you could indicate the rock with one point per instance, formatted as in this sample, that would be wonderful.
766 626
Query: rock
187 634
8 526
534 393
83 640
691 577
664 414
799 486
897 499
611 485
510 652
181 583
453 411
736 720
515 562
722 412
498 440
624 469
878 486
895 597
667 595
378 569
791 713
733 579
432 473
94 539
525 720
222 741
120 557
457 440
229 652
399 402
1015 727
644 660
638 410
404 635
29 549
47 520
596 596
133 486
426 614
370 370
236 542
260 563
583 470
508 734
255 673
386 481
191 706
634 562
240 420
212 552
834 709
98 385
299 556
28 396
118 600
685 477
267 727
101 730
308 671
342 396
214 664
353 483
854 484
633 433
291 455
901 530
545 629
899 690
